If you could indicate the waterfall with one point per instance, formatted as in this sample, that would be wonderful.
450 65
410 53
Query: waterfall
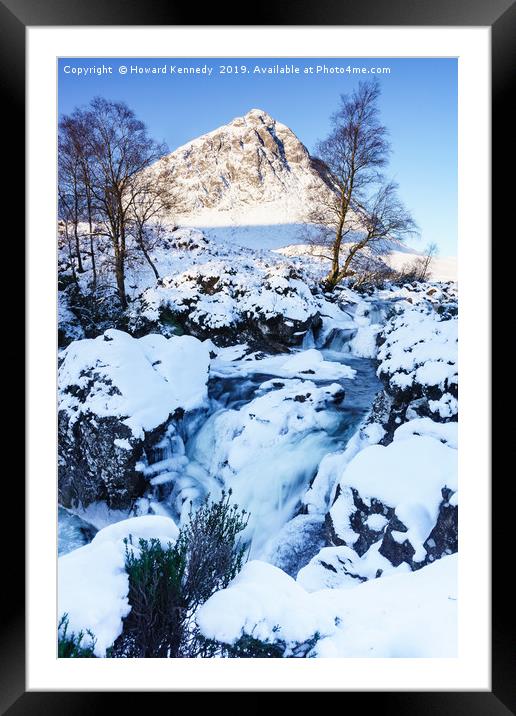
338 340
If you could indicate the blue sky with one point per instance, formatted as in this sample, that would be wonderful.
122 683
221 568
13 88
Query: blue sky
418 104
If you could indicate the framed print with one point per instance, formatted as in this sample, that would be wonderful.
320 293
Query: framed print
258 291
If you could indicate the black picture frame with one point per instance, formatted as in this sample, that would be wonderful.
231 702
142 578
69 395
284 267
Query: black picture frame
500 15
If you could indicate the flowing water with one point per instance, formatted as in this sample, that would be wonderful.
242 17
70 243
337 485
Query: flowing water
271 478
268 473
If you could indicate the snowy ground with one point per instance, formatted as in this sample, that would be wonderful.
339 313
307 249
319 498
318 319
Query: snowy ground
347 503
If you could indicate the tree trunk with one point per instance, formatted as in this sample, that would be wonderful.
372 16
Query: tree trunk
120 281
70 256
92 249
146 254
120 274
80 267
334 275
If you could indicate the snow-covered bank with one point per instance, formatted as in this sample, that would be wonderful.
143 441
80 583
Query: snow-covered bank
118 397
350 482
92 581
442 268
403 616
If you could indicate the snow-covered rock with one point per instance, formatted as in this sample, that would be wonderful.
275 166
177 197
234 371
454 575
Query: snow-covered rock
93 584
398 494
418 358
308 363
342 568
228 294
296 543
253 170
266 603
402 615
117 398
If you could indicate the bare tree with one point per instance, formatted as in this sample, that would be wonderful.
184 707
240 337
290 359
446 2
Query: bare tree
425 261
116 149
70 189
356 215
152 196
72 144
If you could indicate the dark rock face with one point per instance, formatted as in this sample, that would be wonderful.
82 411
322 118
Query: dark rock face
397 552
93 467
358 522
442 540
271 335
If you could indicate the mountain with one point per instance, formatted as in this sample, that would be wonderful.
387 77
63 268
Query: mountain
252 171
252 181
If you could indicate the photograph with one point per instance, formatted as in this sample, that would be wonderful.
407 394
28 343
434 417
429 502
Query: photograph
257 357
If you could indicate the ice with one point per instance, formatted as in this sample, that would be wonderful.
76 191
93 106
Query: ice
268 450
73 532
318 498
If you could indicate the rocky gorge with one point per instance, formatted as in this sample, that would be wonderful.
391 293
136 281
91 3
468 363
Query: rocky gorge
332 418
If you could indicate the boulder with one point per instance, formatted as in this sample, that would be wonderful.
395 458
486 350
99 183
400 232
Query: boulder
119 400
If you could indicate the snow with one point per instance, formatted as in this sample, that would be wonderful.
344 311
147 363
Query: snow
93 584
218 293
141 381
376 522
341 568
272 185
266 603
420 349
445 432
442 268
319 496
410 615
296 365
447 406
408 474
401 615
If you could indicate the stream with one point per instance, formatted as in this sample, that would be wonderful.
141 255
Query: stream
263 437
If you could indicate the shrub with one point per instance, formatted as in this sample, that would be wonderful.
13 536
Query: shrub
167 585
249 647
69 645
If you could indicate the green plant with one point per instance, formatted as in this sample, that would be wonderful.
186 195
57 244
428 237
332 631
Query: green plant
69 645
250 647
168 584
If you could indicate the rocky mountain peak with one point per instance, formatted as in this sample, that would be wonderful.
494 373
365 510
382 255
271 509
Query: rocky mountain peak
251 164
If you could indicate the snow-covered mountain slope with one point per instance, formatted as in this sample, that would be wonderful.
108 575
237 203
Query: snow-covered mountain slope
442 268
252 171
252 182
